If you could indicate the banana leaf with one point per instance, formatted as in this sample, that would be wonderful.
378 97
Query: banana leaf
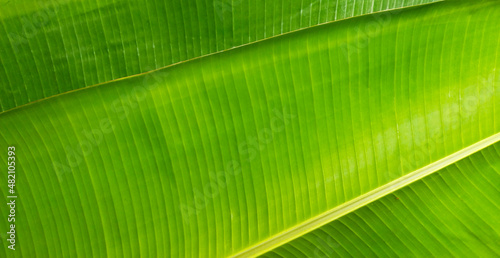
51 47
448 214
375 133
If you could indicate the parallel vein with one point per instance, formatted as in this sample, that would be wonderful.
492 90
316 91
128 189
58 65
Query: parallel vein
364 199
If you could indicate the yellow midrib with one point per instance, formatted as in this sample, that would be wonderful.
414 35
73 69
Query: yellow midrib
361 201
211 54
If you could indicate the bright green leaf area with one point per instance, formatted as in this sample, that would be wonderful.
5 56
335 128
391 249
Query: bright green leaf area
452 213
215 155
51 47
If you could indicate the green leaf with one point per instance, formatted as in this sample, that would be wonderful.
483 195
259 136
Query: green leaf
51 47
218 155
452 213
365 201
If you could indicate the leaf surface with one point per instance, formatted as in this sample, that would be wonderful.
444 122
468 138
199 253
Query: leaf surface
51 47
215 155
453 212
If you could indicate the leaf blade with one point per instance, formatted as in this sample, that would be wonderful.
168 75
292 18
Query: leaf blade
60 45
420 219
228 97
365 199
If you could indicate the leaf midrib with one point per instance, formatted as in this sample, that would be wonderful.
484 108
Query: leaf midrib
214 53
363 200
